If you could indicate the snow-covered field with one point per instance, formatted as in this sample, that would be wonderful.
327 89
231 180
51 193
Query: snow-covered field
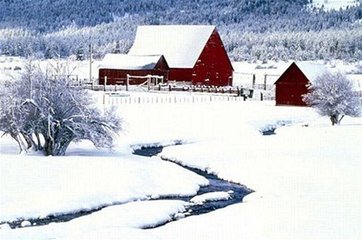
306 177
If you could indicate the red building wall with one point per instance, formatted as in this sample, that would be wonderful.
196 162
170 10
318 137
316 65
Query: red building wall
119 76
213 66
180 74
290 87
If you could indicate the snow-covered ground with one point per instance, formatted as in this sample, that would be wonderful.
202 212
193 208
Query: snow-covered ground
306 177
41 186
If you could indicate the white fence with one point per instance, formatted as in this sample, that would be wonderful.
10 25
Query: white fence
117 99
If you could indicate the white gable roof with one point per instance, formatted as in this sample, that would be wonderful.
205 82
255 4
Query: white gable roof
124 61
312 70
181 45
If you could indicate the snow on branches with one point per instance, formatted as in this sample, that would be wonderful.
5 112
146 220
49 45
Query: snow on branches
332 95
48 113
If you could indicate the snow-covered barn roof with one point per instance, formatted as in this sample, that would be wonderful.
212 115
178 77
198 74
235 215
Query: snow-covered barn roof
131 62
181 45
312 70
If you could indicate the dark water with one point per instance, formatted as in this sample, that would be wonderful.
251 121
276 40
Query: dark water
237 193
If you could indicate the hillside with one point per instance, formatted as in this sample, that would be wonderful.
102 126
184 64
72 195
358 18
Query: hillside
251 30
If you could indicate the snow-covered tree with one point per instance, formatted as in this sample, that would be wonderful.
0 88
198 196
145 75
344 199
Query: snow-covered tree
332 95
47 113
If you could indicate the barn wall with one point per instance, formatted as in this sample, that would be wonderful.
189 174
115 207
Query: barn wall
180 74
291 86
213 66
119 76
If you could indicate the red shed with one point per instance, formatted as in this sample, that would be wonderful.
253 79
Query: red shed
293 83
195 53
116 67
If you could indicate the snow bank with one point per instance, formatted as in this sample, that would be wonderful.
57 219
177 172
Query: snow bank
306 180
36 186
116 222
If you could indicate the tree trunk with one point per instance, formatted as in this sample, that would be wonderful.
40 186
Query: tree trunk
334 119
16 138
339 121
57 148
40 147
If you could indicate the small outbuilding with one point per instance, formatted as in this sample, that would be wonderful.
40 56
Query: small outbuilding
194 53
114 68
293 83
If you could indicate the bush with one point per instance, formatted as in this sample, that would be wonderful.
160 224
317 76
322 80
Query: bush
332 95
48 113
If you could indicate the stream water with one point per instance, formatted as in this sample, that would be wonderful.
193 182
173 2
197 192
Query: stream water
237 193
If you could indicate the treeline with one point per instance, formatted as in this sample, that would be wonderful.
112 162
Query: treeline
344 44
52 15
250 29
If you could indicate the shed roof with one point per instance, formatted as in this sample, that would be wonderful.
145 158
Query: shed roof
311 70
131 62
180 44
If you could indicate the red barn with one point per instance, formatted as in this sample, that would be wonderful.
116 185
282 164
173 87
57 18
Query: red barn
194 53
116 67
293 83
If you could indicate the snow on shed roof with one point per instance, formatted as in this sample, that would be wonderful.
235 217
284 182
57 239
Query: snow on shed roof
180 44
124 61
312 70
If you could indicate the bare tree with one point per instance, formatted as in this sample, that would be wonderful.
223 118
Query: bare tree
47 113
332 95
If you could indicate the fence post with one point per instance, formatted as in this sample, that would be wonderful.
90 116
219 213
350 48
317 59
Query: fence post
105 82
254 79
148 82
265 81
127 82
261 96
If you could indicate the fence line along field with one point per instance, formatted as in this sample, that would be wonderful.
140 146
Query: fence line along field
116 98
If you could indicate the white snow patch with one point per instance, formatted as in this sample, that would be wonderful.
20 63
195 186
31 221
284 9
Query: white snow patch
25 224
125 61
4 226
209 197
333 4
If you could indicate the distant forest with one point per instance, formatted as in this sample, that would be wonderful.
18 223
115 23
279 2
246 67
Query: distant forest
251 29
